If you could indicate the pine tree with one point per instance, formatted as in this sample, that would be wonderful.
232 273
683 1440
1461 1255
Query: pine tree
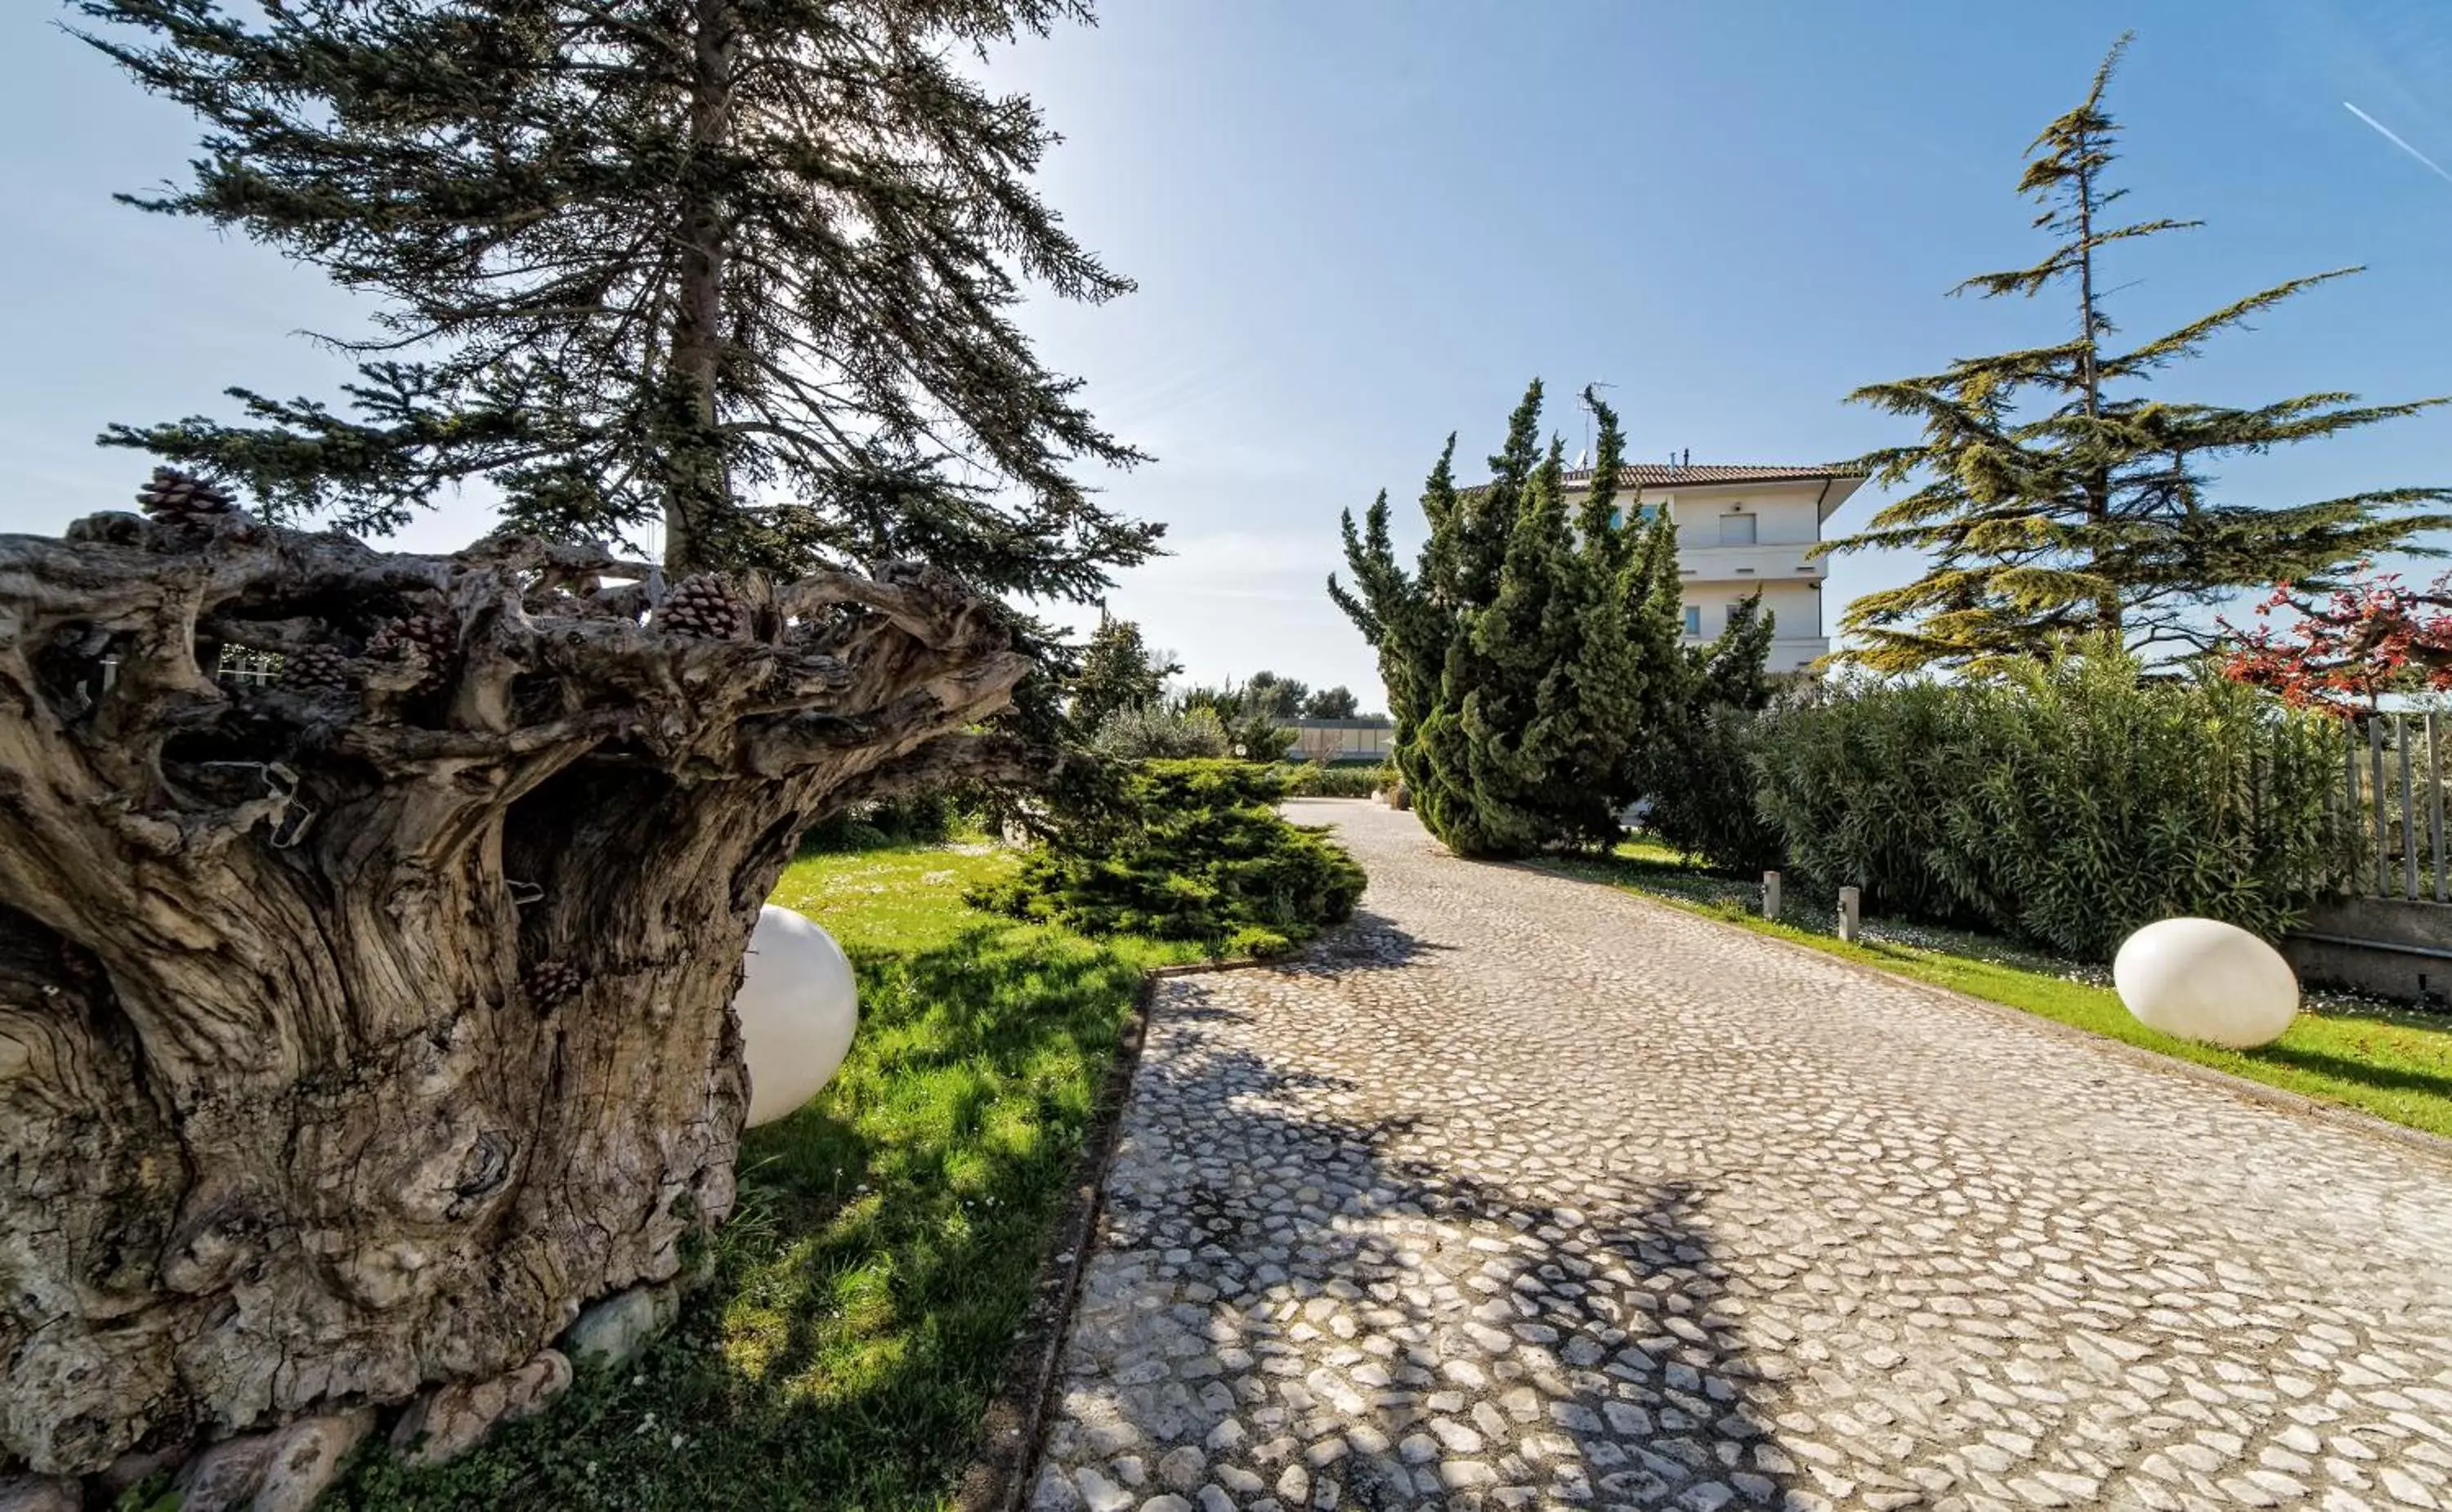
385 1006
1119 670
743 268
1331 703
2058 497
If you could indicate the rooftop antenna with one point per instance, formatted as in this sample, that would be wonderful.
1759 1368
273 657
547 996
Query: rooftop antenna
1584 461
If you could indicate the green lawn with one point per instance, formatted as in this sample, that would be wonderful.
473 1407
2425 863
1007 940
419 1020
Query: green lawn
2391 1062
888 1239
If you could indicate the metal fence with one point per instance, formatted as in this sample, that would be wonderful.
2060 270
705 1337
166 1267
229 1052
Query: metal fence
2394 770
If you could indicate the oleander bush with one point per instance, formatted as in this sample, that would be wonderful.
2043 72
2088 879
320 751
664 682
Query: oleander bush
1152 732
2066 802
1189 850
1318 779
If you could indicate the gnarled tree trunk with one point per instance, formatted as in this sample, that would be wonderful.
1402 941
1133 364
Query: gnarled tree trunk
353 1036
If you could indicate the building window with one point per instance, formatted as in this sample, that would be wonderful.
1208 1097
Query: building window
1693 620
1647 512
1737 530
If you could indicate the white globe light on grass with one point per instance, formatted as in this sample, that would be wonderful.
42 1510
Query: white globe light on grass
2206 980
799 1006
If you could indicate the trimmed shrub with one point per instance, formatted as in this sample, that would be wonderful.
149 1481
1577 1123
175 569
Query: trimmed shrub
1152 733
2068 803
1194 851
1318 779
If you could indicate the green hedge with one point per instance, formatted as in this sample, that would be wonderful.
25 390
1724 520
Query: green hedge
1194 851
2067 803
1316 779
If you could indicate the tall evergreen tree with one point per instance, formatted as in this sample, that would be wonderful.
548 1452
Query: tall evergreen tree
1331 703
1284 698
2058 497
741 267
1533 651
1460 572
1119 670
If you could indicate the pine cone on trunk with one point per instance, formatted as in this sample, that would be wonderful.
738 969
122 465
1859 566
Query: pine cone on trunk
176 496
429 638
551 982
316 669
704 605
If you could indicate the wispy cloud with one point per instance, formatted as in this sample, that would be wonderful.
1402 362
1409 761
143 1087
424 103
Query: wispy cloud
2387 133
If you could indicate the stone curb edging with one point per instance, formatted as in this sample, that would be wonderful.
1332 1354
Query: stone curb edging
1006 1459
2434 1146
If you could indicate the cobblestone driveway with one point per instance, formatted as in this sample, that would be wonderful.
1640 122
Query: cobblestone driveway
1532 1193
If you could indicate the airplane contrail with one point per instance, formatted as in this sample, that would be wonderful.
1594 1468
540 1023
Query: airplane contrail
2386 134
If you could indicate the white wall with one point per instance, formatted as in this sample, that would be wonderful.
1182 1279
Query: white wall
1797 605
1784 514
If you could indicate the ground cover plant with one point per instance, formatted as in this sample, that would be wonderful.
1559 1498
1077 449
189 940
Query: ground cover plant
1193 850
2390 1061
864 1298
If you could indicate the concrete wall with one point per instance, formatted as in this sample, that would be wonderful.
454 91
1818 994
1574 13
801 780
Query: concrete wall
2386 945
1784 514
1796 605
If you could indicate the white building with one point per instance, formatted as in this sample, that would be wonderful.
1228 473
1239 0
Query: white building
1742 529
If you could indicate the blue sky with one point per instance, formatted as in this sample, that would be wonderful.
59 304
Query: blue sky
1358 225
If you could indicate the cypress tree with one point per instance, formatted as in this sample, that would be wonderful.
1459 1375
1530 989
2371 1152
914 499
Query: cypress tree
1532 654
743 268
2058 498
1520 717
1469 531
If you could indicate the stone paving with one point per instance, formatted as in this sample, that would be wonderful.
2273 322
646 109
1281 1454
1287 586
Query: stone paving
1532 1193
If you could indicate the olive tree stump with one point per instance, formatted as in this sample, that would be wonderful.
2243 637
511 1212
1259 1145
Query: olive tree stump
364 1020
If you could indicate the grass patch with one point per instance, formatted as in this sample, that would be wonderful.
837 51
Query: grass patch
2393 1062
867 1290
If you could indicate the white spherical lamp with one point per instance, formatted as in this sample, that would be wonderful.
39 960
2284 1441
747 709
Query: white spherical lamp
799 1006
2206 980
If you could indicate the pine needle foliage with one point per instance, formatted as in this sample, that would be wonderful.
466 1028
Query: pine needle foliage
745 267
1197 850
1119 672
1532 655
2056 496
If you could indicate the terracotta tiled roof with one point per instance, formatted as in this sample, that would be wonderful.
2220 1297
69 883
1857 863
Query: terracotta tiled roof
1660 475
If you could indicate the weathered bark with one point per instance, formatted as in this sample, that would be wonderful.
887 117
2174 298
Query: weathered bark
299 1108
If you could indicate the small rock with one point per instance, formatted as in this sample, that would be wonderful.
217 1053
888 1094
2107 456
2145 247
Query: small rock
617 1329
1214 1499
1238 1480
1101 1493
1181 1469
307 1457
1169 1503
454 1419
1055 1492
